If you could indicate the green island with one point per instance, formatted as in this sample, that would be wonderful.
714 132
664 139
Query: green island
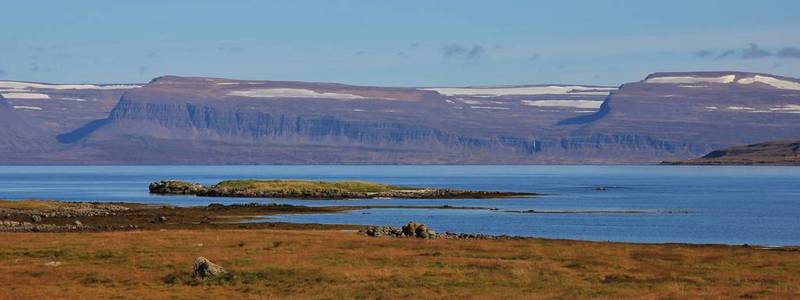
306 189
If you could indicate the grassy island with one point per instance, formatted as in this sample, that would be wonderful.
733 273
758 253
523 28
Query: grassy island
306 189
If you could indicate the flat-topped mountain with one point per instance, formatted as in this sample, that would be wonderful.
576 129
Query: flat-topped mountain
769 153
172 119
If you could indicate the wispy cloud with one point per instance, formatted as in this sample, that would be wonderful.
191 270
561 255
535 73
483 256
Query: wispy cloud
703 54
754 51
459 51
726 54
789 52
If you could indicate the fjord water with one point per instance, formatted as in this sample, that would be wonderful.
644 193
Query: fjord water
687 204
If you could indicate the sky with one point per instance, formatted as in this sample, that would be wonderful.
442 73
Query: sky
395 43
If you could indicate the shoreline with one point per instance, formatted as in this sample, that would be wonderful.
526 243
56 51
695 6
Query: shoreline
60 217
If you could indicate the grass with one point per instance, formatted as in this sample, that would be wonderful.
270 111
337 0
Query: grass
29 204
340 264
305 186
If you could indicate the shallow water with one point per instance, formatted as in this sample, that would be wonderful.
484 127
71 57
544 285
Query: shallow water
731 205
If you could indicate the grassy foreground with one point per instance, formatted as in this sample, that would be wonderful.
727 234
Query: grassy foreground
268 264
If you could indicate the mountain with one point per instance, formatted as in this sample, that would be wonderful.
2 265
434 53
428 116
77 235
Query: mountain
666 116
770 153
684 115
185 119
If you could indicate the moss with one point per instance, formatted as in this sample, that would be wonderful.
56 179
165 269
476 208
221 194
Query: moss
304 186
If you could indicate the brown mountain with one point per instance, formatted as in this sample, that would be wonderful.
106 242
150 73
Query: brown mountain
770 153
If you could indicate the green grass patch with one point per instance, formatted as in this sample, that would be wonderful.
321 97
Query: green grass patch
305 186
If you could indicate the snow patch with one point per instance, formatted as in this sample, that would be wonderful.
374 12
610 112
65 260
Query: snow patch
472 102
521 91
292 93
27 107
711 108
740 108
25 96
489 107
583 104
788 108
772 81
691 79
16 85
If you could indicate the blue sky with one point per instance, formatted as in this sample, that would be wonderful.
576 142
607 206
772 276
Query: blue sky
398 43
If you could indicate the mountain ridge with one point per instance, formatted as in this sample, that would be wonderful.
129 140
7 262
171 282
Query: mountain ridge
177 119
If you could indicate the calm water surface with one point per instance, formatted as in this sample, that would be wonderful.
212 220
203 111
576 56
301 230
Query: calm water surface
730 205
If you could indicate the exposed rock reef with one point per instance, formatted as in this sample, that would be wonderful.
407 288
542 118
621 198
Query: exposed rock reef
770 153
171 120
300 189
422 231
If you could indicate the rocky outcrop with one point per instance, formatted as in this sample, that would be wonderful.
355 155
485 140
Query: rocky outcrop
422 231
204 269
411 230
177 187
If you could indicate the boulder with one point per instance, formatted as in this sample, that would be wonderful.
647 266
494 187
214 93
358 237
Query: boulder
205 269
159 220
36 218
176 187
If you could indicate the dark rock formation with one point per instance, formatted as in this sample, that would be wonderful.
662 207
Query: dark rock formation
176 187
204 269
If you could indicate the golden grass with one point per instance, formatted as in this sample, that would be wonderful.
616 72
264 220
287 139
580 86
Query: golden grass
301 186
29 204
268 264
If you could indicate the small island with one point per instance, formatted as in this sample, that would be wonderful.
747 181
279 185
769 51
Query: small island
306 189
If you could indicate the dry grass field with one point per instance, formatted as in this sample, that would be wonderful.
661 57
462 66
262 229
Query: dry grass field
331 264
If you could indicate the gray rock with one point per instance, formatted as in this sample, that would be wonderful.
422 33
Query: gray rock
36 218
77 223
205 269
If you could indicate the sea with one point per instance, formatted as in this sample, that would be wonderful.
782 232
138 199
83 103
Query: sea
756 205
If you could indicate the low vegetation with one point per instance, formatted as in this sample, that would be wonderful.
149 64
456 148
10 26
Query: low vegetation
305 186
268 264
320 190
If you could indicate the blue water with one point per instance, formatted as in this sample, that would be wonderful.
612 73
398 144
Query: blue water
728 205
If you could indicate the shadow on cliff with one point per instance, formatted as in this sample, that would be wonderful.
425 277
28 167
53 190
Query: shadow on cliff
80 133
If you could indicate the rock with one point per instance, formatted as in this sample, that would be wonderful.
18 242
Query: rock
36 218
159 219
77 223
424 232
53 263
205 269
176 187
384 231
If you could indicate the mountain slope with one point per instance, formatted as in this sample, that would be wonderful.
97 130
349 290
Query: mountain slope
682 115
770 153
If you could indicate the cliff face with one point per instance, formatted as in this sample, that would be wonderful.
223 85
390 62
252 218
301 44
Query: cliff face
680 115
18 135
667 116
326 122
